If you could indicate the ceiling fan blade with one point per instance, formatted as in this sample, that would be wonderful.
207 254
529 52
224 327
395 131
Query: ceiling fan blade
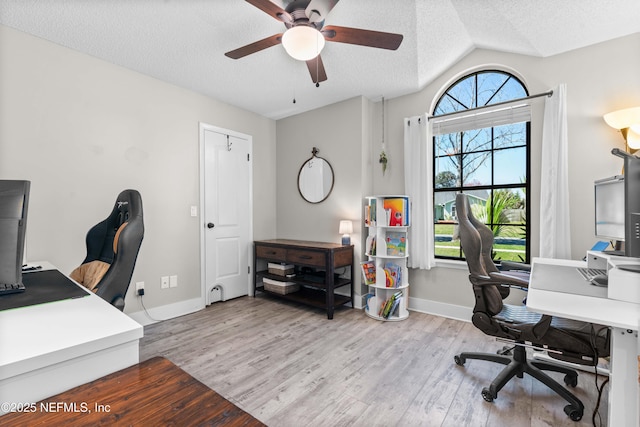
360 37
272 9
317 10
316 69
255 47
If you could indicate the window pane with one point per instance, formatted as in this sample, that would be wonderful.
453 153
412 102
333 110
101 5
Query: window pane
463 92
447 172
445 228
510 244
476 140
513 89
448 105
444 206
509 206
448 144
476 169
488 84
510 166
510 135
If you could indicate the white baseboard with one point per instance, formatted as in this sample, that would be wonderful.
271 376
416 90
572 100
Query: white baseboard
181 308
457 312
166 312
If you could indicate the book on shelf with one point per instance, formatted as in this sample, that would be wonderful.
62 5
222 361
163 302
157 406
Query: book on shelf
388 307
396 243
371 245
395 308
393 274
372 212
397 211
368 272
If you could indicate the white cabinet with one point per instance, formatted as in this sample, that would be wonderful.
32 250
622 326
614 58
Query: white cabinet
387 220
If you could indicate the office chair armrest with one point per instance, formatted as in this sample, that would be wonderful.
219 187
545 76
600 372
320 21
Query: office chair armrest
510 279
513 266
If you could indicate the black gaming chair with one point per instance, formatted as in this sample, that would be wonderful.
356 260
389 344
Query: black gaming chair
563 339
125 225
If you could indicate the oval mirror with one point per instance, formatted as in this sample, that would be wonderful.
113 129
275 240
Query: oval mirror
315 179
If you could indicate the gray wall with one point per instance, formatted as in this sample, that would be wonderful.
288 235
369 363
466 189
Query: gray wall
341 133
82 130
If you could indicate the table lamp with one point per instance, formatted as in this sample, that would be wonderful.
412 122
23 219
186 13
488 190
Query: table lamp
346 228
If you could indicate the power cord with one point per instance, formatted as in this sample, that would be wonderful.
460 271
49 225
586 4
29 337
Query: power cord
141 294
594 347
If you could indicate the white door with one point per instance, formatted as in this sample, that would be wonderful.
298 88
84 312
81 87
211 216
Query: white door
226 213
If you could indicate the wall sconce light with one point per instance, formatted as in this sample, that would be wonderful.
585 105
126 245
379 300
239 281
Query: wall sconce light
628 122
346 228
303 42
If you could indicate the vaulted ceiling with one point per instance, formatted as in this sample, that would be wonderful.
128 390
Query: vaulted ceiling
183 42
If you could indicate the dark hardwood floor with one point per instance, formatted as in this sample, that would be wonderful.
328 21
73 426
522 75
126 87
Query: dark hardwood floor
288 365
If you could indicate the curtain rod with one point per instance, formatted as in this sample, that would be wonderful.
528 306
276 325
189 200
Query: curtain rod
537 95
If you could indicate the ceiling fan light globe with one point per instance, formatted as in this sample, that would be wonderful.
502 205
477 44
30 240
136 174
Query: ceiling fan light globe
302 42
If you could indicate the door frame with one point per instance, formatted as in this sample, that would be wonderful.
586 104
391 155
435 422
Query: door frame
203 285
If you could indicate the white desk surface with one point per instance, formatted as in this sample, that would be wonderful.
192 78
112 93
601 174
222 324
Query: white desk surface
556 288
41 335
563 301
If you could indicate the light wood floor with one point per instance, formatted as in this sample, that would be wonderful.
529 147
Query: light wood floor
288 365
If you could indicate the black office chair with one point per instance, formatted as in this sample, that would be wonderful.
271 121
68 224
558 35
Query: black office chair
116 241
563 339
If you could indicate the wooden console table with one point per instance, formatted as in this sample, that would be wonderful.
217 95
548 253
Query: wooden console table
318 283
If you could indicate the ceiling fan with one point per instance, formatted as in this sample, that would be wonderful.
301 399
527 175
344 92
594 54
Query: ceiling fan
306 34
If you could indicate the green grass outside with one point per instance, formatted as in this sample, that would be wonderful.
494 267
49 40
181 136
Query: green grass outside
442 248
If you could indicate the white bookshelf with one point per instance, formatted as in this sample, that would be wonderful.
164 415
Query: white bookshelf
387 220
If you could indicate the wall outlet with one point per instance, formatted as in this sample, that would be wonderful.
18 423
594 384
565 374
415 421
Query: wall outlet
173 281
164 282
139 285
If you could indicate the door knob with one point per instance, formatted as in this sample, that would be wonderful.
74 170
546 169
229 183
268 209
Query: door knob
210 225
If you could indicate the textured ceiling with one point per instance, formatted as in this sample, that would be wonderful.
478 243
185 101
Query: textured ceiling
183 42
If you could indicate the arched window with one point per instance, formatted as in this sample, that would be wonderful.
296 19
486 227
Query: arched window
484 152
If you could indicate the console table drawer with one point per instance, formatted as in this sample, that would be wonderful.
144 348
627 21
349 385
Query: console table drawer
267 252
296 256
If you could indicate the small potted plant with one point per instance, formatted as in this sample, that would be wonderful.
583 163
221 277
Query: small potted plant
383 161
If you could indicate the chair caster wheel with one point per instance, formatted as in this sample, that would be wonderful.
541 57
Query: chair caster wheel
487 395
459 360
573 413
571 380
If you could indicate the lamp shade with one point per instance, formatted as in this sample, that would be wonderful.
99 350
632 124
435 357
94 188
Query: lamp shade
346 227
633 137
302 42
622 119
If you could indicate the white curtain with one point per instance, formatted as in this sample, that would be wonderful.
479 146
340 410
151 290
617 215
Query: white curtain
555 235
418 185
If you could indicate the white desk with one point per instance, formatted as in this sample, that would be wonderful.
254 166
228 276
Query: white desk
49 348
556 288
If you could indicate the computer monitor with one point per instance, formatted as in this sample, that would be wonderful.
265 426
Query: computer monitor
14 204
609 208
